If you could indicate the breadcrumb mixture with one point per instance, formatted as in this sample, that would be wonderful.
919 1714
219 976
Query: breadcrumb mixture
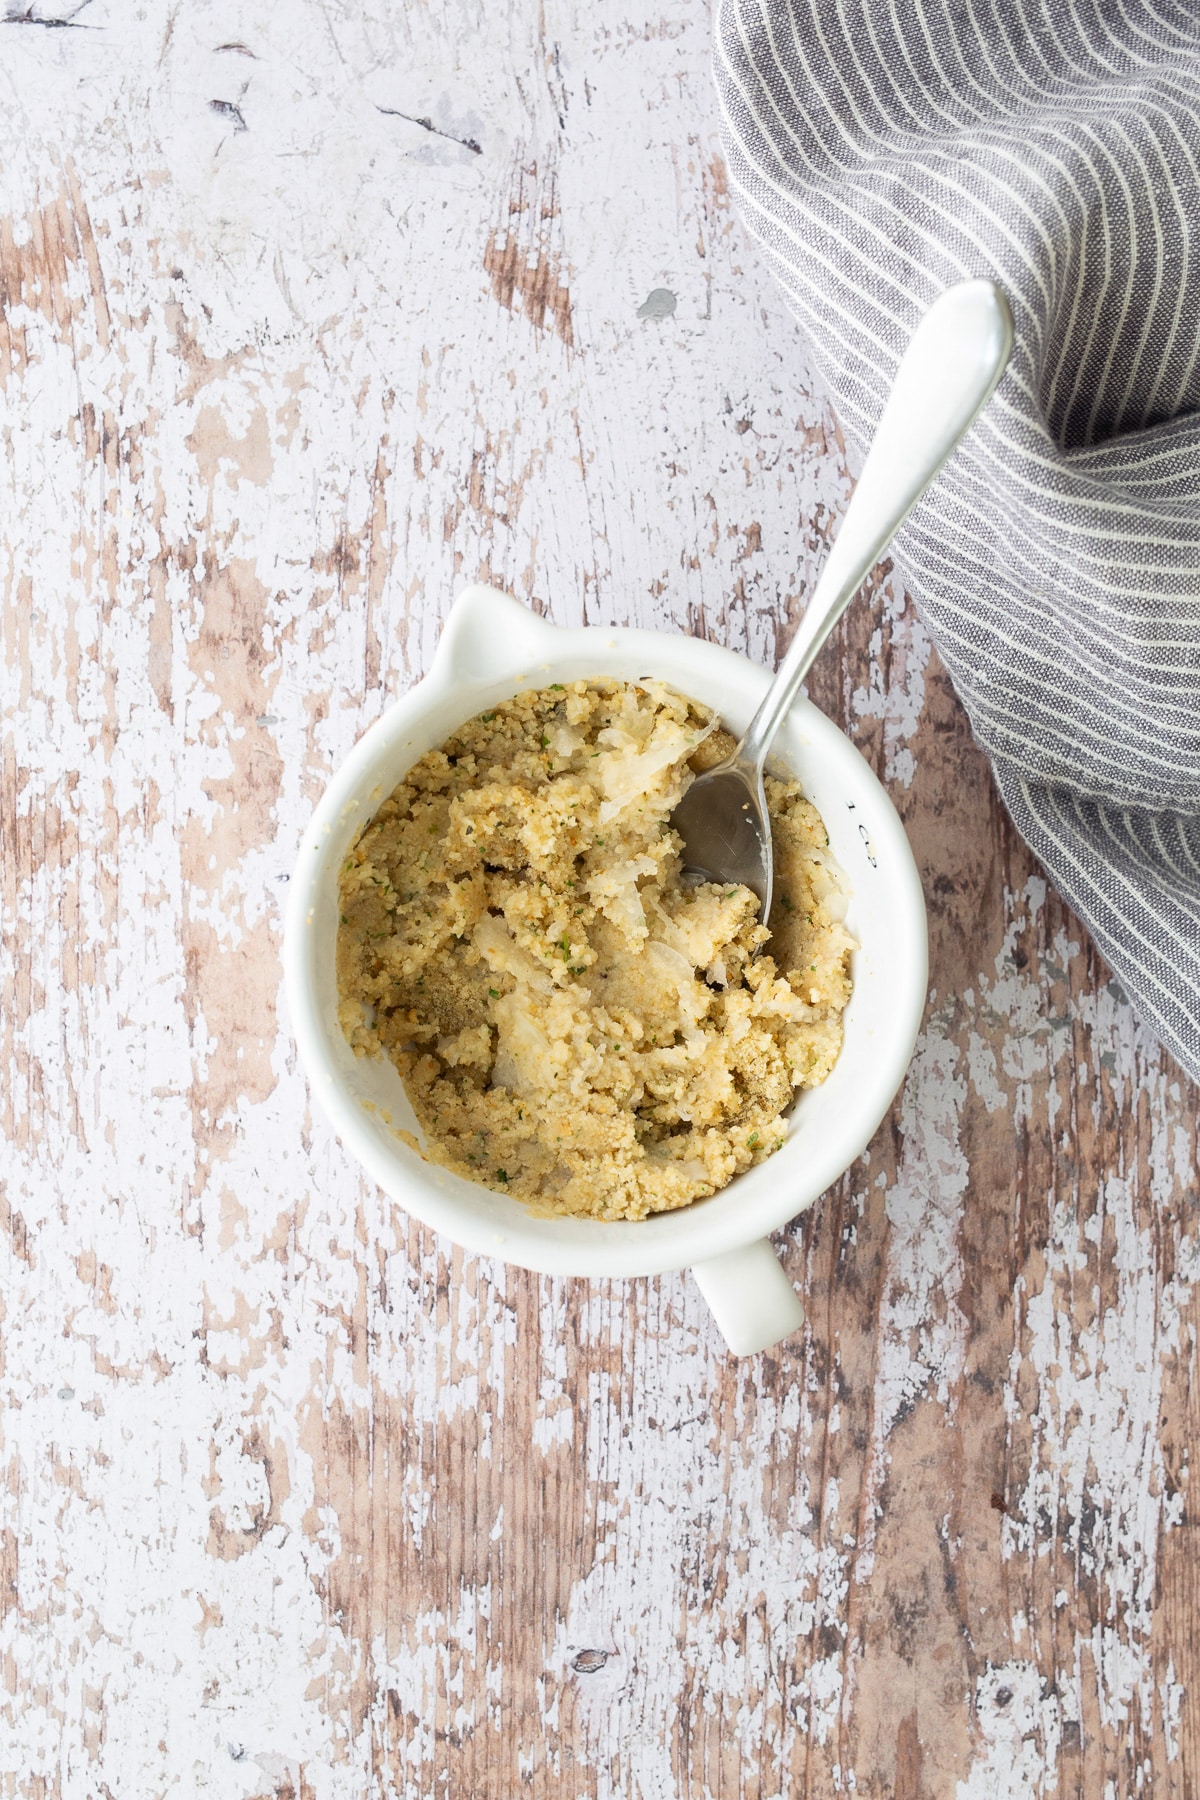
572 1025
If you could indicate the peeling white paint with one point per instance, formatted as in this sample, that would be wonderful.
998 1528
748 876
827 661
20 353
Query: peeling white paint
1021 1725
897 698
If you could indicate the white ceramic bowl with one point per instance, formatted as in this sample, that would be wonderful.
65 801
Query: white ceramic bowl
491 648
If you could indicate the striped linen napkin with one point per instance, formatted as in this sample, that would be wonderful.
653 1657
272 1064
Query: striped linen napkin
880 152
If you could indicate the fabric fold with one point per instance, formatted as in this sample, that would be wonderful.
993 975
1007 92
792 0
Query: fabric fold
881 153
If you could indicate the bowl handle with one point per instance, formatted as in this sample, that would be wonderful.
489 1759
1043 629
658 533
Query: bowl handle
488 634
752 1299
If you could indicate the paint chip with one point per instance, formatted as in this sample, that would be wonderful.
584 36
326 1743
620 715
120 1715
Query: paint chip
658 304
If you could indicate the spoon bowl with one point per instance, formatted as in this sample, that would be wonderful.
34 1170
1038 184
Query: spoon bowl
725 827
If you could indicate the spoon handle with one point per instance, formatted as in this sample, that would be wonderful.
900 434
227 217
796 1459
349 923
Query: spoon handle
953 361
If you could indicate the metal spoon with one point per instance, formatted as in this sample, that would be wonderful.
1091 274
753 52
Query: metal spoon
953 361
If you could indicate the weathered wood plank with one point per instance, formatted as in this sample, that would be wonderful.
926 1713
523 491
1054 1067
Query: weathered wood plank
297 1500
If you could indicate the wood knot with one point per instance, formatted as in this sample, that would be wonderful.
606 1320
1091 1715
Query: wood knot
589 1662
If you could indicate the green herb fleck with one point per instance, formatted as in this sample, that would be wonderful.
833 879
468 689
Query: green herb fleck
502 1175
786 903
752 1140
556 687
545 742
494 992
345 920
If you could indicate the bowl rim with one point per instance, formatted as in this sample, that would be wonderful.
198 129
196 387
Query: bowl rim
469 661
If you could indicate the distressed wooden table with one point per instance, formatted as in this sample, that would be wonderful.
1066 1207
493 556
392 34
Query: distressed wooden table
309 313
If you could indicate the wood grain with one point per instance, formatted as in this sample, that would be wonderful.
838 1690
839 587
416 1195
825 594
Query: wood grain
308 315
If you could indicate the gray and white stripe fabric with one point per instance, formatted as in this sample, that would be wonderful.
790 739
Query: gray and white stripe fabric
883 149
